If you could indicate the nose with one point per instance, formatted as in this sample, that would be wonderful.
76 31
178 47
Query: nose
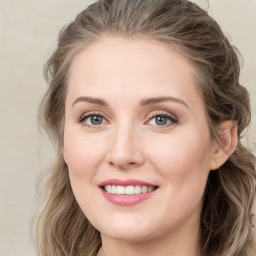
125 150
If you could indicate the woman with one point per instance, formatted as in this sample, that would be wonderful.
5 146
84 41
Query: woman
147 111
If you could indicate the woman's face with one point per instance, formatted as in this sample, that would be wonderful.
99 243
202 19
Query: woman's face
136 139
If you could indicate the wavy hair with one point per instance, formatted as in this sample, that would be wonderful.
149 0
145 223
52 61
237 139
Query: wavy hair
226 219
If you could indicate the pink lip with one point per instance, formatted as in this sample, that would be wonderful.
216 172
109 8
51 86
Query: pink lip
126 200
131 182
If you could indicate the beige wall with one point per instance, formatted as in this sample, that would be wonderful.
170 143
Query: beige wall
28 31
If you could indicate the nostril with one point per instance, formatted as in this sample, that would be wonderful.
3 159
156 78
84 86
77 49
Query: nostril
132 163
122 164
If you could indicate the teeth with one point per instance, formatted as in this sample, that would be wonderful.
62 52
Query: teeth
120 190
144 190
137 190
113 189
150 189
128 190
108 188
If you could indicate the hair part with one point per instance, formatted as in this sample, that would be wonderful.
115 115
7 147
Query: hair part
226 221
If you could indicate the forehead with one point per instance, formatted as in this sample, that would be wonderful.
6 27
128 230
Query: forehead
131 65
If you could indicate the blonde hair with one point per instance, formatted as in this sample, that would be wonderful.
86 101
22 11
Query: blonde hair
226 221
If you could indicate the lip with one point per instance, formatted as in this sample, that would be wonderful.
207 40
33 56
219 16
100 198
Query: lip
126 200
131 182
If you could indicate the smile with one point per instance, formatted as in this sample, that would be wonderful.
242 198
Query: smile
128 190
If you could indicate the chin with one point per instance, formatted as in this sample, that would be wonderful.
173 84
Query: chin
128 236
127 231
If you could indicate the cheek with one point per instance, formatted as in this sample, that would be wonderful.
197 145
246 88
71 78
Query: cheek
183 163
81 153
183 160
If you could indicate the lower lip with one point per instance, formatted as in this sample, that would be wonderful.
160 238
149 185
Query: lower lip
126 200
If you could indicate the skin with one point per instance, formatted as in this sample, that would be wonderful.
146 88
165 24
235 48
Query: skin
130 144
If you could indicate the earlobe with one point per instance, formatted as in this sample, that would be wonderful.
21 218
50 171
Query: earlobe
226 144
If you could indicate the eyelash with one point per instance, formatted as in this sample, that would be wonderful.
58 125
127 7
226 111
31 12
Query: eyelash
90 114
173 120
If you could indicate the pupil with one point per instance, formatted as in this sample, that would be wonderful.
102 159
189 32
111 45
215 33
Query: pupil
160 120
96 120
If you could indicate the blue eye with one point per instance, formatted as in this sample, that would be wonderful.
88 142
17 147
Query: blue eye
95 120
92 120
162 120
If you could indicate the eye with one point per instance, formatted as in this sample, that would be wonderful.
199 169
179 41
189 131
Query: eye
92 120
162 120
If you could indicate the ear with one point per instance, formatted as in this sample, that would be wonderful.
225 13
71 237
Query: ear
225 145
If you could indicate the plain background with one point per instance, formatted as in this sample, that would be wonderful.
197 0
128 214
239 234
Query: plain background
28 34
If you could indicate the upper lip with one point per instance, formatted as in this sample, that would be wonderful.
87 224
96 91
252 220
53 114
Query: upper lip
128 182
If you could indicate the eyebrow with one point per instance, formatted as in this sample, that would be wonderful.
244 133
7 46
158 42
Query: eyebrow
144 102
92 100
151 101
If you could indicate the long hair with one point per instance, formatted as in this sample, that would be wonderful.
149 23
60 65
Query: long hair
226 220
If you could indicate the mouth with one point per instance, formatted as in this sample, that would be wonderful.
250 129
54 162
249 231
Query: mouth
127 192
